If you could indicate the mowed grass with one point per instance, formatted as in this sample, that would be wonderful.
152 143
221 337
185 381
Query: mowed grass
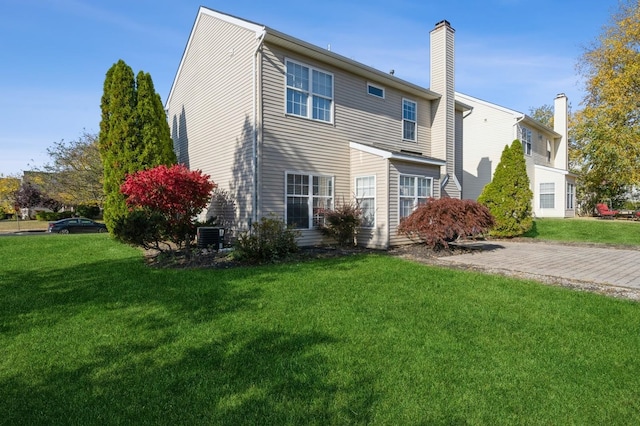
90 335
618 231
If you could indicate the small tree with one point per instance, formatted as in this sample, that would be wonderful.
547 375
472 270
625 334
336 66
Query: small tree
441 221
74 175
508 195
169 198
342 223
8 187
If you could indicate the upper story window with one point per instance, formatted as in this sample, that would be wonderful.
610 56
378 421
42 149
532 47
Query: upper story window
414 190
375 90
409 120
525 138
309 92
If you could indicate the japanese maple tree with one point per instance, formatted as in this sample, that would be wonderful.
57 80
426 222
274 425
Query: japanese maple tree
168 198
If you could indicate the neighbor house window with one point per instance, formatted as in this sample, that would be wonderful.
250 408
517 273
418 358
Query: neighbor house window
414 190
307 198
571 192
409 118
365 196
548 151
525 138
547 195
309 92
375 91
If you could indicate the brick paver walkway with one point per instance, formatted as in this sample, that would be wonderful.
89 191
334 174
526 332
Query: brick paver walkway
610 266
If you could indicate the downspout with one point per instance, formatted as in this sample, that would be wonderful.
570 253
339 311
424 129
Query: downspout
254 153
518 121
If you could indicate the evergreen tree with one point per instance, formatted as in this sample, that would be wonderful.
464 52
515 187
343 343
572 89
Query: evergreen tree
134 134
156 146
508 195
118 137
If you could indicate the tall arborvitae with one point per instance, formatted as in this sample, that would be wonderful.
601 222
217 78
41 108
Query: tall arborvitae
134 134
118 137
155 138
508 195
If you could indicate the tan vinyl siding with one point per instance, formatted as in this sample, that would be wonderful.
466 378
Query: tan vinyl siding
211 108
296 144
397 168
365 164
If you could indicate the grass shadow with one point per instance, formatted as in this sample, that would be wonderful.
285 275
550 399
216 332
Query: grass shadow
267 377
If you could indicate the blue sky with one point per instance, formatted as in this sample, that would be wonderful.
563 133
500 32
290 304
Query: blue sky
55 53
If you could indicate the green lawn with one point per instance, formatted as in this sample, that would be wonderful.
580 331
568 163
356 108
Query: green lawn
89 335
617 231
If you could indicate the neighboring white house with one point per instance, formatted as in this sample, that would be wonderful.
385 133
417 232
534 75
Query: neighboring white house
488 128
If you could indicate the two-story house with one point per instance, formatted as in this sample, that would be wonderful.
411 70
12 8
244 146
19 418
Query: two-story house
289 128
489 128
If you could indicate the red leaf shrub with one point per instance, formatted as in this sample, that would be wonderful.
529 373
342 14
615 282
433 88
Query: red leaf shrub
441 221
175 194
342 223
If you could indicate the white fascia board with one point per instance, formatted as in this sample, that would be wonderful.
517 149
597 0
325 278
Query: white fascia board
470 99
395 156
258 29
554 170
243 23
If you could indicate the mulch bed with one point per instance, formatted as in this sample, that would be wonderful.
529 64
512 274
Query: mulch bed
225 260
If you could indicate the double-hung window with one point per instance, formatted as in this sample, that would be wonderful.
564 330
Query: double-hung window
309 92
547 195
525 138
365 196
571 192
414 190
307 197
409 120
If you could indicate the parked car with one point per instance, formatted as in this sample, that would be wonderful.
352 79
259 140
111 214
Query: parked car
76 225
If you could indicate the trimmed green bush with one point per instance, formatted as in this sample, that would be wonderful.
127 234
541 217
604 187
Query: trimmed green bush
53 216
269 240
90 211
508 195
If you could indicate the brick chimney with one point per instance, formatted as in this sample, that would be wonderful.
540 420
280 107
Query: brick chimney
443 110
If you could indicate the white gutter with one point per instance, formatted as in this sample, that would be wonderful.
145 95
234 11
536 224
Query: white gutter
254 154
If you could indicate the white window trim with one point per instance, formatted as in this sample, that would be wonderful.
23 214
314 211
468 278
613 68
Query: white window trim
375 86
547 192
415 197
571 196
375 189
527 145
310 93
415 122
309 196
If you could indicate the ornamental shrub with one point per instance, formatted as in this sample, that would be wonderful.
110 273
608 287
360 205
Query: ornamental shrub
170 197
342 223
508 195
441 221
269 240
